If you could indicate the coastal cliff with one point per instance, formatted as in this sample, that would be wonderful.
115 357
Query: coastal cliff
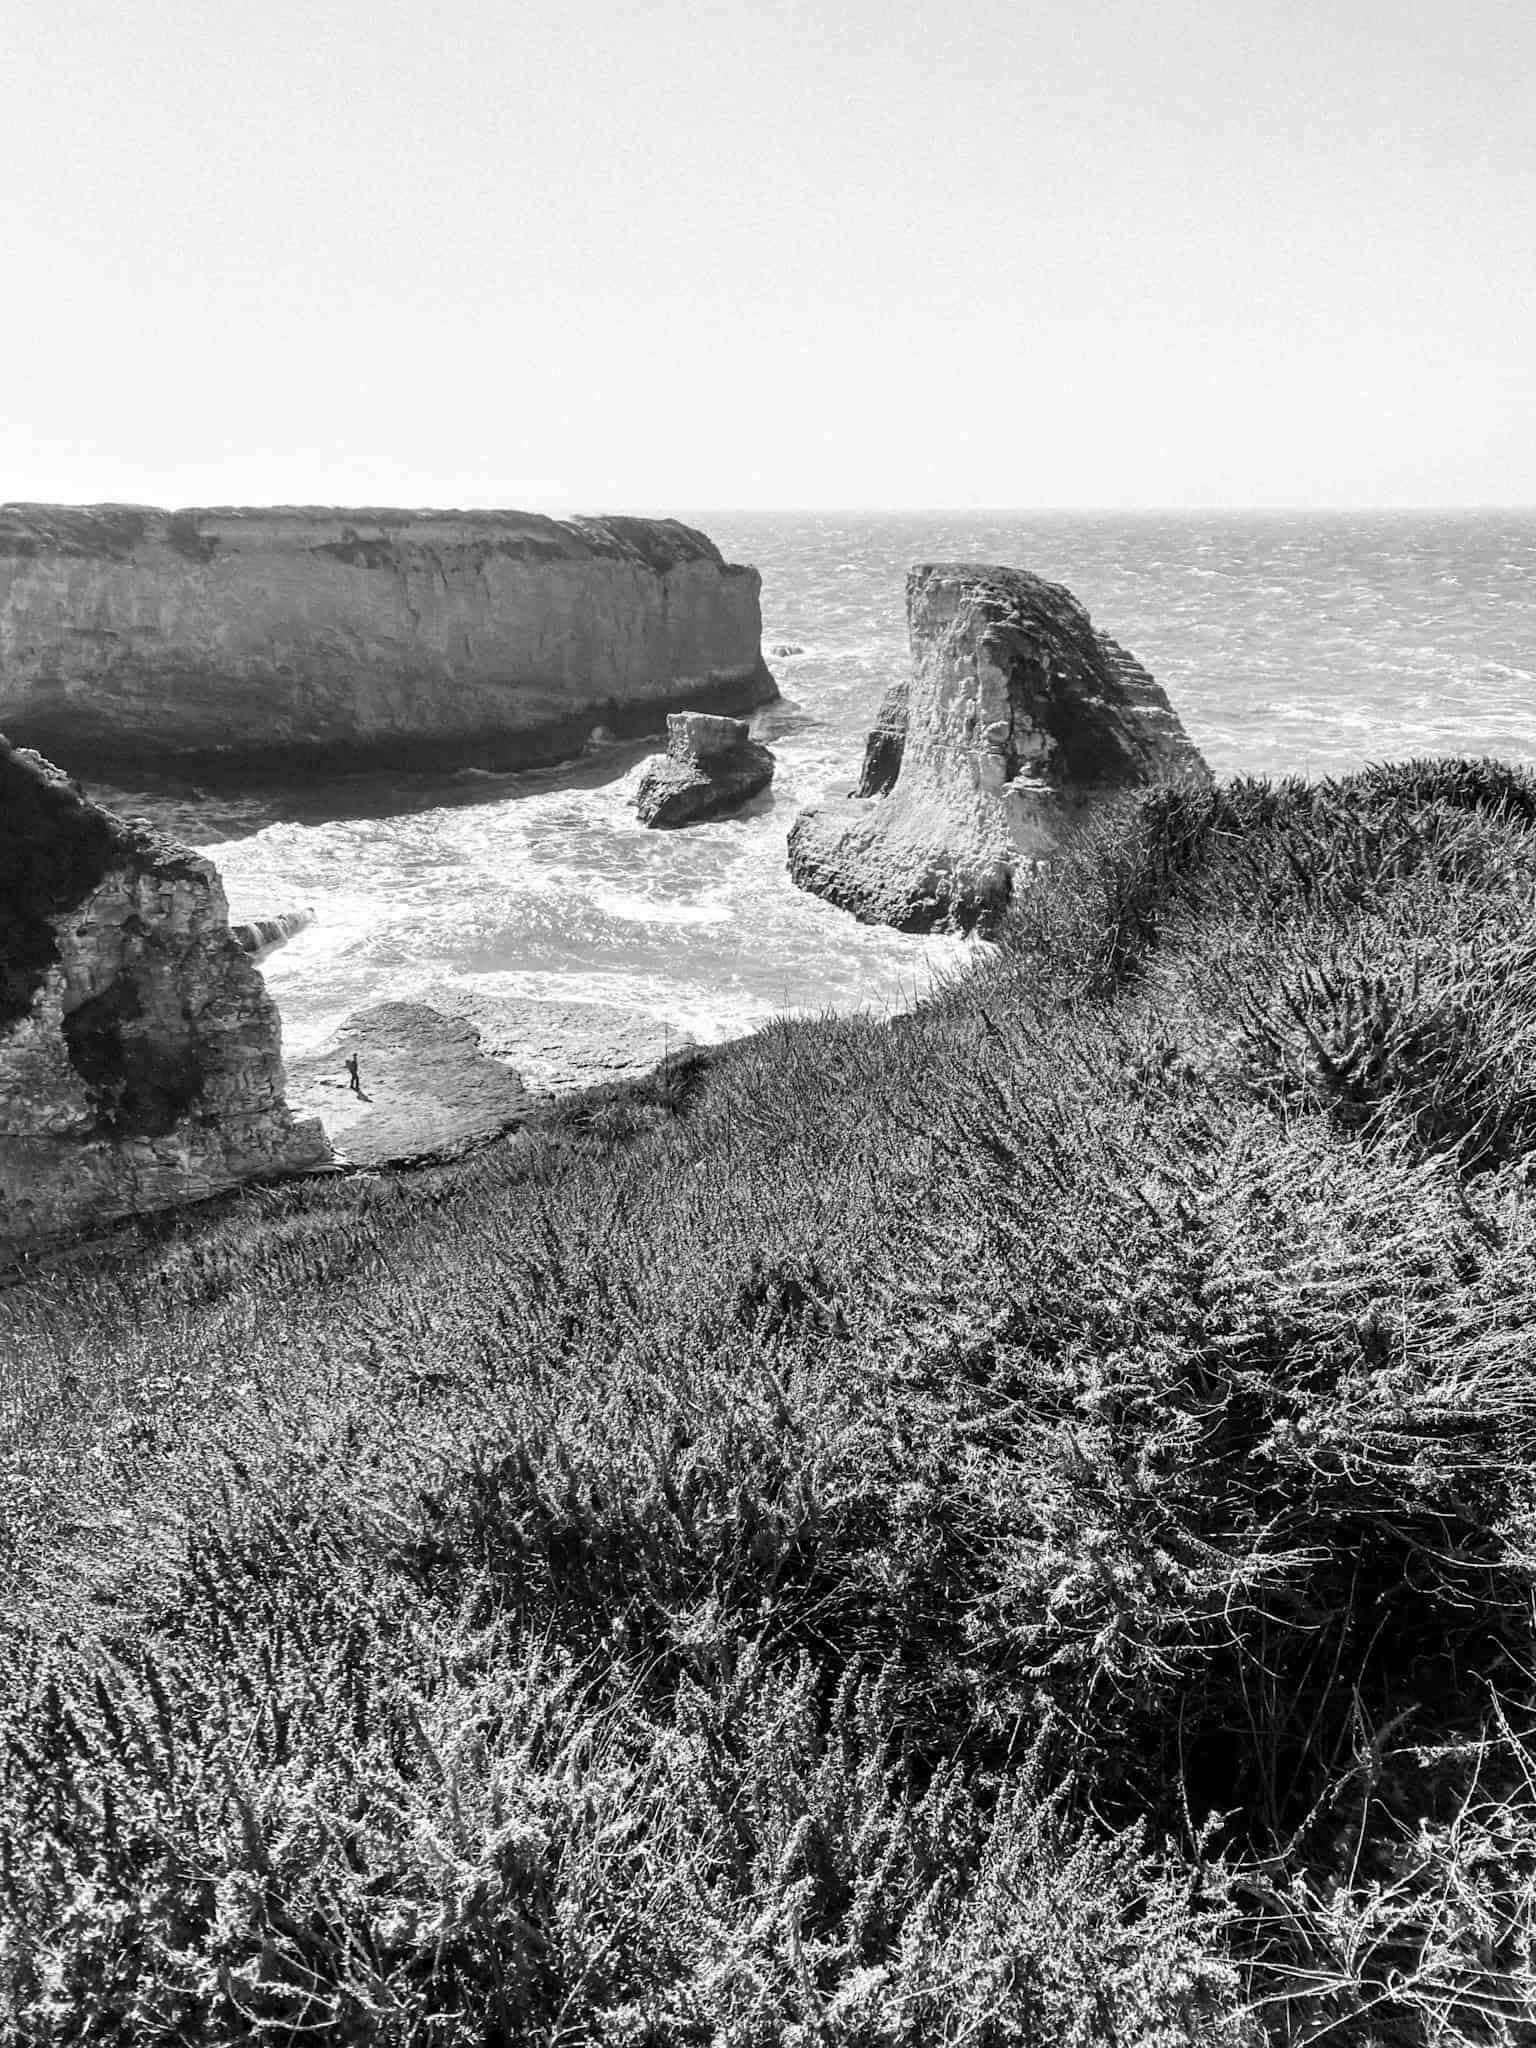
297 640
140 1054
1017 716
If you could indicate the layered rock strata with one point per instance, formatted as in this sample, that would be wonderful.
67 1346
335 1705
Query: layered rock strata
1018 716
295 641
711 766
140 1054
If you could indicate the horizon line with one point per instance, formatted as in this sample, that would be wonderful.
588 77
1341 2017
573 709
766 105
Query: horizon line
645 509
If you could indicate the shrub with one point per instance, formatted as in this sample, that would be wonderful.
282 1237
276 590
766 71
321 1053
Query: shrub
1012 1524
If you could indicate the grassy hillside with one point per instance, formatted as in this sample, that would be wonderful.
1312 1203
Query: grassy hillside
1013 1526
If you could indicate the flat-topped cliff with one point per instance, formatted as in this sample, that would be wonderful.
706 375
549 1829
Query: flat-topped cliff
140 1053
295 639
1018 714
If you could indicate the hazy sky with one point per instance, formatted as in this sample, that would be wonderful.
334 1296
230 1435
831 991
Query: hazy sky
598 254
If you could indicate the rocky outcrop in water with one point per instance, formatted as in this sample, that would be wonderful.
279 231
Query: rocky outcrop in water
295 641
711 766
1018 716
263 935
140 1054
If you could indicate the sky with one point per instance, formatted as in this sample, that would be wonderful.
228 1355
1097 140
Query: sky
660 254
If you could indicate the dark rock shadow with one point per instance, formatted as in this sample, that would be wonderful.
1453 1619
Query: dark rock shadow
192 812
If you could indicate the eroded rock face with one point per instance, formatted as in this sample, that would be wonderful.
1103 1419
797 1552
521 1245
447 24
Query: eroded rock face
140 1054
711 766
290 641
1018 715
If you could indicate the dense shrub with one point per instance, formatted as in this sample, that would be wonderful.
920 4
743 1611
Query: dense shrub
1014 1524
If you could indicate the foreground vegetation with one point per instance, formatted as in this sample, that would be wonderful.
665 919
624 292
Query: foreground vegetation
1011 1526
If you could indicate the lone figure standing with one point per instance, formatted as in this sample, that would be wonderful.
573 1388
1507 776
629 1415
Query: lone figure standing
352 1080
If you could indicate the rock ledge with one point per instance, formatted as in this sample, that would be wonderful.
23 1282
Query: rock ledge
428 1089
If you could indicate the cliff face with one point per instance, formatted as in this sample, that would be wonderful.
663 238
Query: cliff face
298 639
140 1054
1017 716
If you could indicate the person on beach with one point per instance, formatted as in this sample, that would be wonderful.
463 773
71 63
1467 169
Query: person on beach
352 1077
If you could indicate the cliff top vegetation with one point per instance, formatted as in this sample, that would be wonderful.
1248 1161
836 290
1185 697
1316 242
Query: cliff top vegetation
377 534
1011 1525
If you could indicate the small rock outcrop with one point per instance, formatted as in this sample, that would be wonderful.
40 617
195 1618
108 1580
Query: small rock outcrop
263 935
1017 716
712 765
140 1054
293 641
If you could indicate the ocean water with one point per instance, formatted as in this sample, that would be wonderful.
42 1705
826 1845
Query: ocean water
1288 644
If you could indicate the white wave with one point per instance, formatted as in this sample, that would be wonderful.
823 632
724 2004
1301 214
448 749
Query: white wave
636 909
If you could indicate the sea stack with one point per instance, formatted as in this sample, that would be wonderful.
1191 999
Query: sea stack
711 766
291 642
1018 715
140 1054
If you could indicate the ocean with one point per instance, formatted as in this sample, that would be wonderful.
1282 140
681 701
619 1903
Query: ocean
1288 643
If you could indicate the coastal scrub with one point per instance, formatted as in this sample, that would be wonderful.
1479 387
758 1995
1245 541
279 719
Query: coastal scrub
1010 1525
